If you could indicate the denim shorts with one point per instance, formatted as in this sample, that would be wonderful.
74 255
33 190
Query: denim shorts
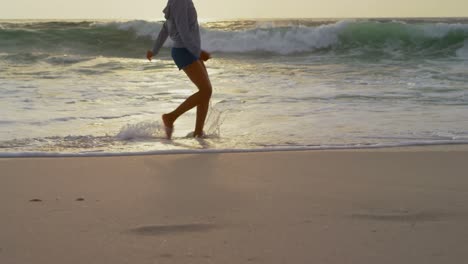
182 57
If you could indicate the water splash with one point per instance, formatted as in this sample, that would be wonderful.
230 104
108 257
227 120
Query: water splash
141 130
214 121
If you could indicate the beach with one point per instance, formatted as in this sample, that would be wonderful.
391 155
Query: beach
327 140
390 205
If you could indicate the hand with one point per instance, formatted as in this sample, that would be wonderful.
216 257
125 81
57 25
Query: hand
204 56
149 55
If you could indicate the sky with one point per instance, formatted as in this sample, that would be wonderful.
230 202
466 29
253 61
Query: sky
230 9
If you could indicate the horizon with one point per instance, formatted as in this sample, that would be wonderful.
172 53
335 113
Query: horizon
201 19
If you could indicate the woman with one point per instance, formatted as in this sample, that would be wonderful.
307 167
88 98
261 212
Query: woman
182 27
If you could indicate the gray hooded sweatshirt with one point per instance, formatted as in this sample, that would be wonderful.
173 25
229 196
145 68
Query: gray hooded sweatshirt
181 26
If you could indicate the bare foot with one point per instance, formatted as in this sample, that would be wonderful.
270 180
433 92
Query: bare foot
168 125
199 135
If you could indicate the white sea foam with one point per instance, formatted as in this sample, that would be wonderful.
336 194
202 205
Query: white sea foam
140 27
297 38
270 39
441 30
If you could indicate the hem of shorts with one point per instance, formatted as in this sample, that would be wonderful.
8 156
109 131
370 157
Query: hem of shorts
187 64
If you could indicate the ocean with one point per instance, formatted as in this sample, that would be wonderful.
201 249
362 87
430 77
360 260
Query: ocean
86 88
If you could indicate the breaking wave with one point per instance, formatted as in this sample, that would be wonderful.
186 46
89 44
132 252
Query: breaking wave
128 39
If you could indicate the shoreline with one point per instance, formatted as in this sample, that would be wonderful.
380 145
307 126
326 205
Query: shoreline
385 148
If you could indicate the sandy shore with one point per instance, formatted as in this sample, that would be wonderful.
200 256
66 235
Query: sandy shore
406 205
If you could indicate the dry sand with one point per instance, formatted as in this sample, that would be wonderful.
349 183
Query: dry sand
406 205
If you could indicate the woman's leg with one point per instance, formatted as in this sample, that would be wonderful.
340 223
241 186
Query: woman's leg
199 76
202 109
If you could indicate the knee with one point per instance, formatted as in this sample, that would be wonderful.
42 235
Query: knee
206 93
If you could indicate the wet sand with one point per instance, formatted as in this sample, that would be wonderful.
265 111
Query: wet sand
401 205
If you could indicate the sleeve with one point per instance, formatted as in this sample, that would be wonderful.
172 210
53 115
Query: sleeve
163 34
181 19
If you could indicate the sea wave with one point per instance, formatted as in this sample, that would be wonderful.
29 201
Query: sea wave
129 38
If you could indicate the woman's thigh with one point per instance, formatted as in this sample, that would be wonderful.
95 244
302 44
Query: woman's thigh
198 75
